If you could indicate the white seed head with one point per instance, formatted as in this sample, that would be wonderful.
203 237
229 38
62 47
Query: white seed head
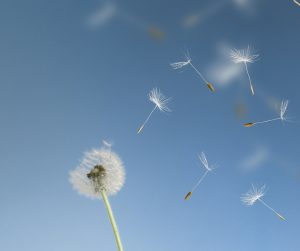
253 195
111 177
159 100
283 108
243 56
179 65
204 161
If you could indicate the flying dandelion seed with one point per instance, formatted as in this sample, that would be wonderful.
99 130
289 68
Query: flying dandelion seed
100 174
160 102
181 64
244 56
207 167
283 109
256 194
296 2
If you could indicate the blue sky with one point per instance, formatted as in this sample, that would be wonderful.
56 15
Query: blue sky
65 86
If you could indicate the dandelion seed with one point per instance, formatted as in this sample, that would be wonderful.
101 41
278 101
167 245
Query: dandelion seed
100 174
207 167
181 64
160 102
283 109
244 56
296 2
255 194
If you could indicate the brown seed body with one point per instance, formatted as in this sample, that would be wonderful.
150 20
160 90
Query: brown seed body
211 87
188 195
249 124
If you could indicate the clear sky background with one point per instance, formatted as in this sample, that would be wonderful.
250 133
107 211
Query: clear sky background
67 83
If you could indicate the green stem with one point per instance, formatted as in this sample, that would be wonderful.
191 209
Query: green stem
112 220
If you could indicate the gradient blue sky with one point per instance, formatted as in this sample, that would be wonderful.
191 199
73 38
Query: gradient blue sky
64 87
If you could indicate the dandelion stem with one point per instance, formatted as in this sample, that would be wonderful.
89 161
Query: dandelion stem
145 122
199 181
250 82
112 220
199 73
266 205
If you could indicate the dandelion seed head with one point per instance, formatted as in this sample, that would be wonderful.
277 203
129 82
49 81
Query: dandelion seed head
99 169
283 108
253 195
243 56
204 161
159 100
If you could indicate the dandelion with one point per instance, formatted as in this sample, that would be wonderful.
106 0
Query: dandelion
283 109
207 168
256 194
244 56
179 65
160 102
99 175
